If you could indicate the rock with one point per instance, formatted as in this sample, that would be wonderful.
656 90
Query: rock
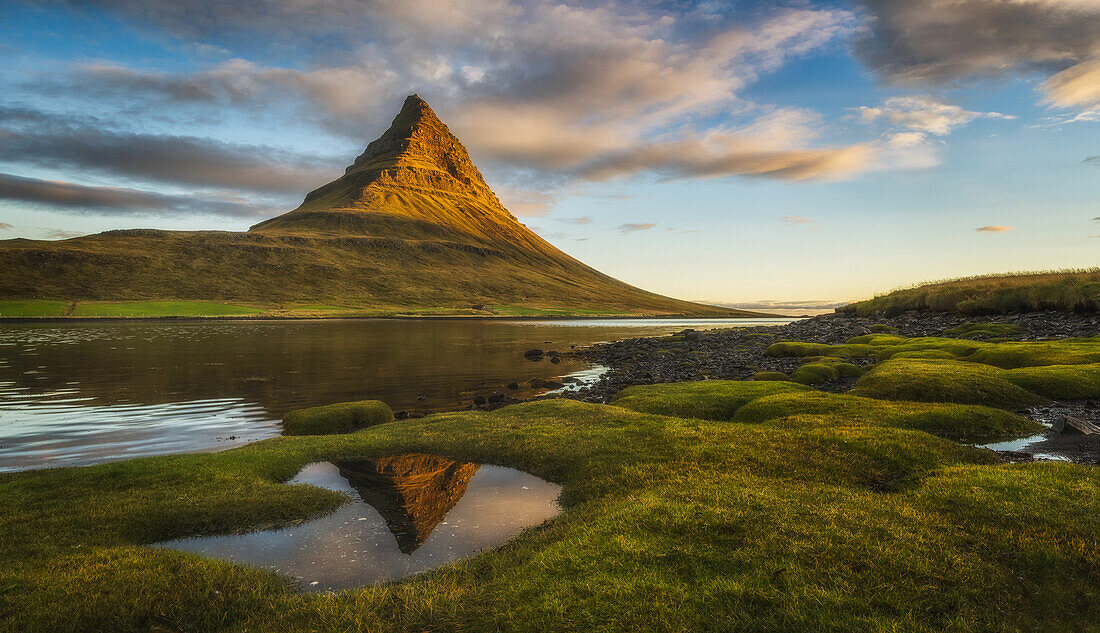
555 359
422 398
532 354
513 385
479 401
496 398
542 383
1071 425
400 415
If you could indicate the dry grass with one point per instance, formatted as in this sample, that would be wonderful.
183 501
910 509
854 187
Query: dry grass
1069 290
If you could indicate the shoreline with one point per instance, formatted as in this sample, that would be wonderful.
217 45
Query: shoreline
457 317
738 354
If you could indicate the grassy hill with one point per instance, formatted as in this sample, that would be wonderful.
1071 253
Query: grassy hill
410 228
1064 290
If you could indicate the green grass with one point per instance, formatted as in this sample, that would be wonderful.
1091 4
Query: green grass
706 399
769 375
32 308
963 423
163 309
1061 382
336 418
1066 290
803 523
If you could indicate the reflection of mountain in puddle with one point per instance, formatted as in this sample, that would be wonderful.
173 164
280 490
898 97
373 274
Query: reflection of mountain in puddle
413 492
410 513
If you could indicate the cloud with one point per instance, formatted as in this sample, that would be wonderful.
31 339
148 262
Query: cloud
587 219
924 115
995 228
769 304
631 227
1075 87
793 221
5 226
591 92
50 141
1092 160
938 42
76 198
62 234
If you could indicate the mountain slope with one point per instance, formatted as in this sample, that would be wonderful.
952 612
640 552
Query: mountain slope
411 227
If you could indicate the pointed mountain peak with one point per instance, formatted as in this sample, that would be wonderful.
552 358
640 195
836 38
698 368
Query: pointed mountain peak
418 139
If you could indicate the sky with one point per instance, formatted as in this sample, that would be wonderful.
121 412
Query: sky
758 154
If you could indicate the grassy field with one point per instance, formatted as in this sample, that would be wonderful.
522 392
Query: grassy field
691 507
1065 290
33 308
25 309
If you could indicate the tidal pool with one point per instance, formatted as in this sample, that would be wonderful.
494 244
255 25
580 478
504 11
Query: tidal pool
410 513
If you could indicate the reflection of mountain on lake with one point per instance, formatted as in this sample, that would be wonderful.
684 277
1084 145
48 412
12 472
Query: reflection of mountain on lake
413 493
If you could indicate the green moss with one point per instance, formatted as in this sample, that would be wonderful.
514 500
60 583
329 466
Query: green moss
984 330
1061 382
795 524
769 375
1031 354
925 353
964 423
878 339
927 380
705 400
882 329
814 374
336 418
795 348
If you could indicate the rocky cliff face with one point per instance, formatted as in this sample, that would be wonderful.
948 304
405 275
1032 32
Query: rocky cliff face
416 181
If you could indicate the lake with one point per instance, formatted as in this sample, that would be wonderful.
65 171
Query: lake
87 392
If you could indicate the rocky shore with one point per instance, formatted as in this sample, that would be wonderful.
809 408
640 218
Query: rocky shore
738 354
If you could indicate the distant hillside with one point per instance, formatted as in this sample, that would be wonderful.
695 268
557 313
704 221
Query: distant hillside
1065 290
410 228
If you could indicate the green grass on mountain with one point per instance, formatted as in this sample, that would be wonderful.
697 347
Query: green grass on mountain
282 275
1065 290
833 522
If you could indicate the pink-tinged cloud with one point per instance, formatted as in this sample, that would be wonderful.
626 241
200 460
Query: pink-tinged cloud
995 228
631 227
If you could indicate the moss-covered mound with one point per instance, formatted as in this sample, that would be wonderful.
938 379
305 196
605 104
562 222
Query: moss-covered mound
964 423
705 400
929 380
336 418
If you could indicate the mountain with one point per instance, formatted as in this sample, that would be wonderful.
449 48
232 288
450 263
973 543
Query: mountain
411 227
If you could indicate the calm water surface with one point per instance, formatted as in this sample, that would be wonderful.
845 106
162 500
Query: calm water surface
410 513
82 393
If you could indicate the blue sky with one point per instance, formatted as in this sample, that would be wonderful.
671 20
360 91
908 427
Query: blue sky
735 152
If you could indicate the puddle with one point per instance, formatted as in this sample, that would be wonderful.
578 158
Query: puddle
1018 445
410 513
